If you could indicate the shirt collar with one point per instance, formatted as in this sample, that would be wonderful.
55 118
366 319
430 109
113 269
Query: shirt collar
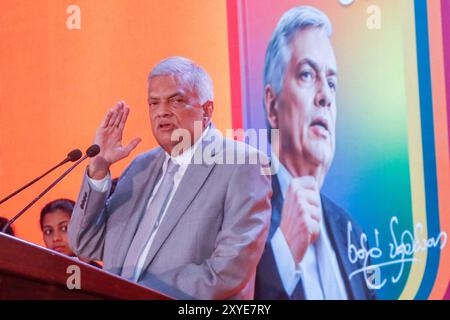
283 176
186 156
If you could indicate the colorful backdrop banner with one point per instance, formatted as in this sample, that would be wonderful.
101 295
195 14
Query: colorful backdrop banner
391 166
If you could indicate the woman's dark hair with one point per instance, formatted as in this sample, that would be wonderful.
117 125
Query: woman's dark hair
65 205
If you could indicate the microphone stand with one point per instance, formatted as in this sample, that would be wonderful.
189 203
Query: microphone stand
43 193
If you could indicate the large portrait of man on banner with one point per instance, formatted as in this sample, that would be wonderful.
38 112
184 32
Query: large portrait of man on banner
306 256
356 209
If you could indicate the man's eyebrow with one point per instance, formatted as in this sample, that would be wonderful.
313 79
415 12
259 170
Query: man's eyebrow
178 93
330 71
62 222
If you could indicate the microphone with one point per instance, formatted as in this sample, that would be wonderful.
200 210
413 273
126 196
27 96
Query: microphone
72 156
92 151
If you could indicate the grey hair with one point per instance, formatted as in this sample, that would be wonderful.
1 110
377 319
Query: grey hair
188 73
278 51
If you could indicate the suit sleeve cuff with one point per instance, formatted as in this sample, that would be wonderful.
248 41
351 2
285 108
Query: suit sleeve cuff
290 273
102 185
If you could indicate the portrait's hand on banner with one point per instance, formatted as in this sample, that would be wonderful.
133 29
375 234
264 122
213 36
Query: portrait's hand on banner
300 219
109 137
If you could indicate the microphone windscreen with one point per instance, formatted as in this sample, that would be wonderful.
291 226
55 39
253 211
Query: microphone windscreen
93 150
74 155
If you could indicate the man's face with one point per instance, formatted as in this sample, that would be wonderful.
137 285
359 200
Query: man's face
306 105
173 106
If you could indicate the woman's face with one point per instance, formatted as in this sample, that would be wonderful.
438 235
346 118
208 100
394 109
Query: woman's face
55 231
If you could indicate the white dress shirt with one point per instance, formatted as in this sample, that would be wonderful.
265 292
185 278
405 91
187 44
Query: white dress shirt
183 161
319 269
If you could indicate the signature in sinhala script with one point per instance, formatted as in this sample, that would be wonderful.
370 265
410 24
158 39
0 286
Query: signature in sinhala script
402 247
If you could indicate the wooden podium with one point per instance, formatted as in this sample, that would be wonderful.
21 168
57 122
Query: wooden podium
28 271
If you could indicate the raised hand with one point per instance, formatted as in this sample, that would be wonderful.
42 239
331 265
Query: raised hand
301 214
109 137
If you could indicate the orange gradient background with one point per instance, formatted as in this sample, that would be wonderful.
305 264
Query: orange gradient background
56 84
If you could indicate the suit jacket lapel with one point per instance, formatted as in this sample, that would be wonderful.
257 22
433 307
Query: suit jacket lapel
141 187
277 207
337 231
190 185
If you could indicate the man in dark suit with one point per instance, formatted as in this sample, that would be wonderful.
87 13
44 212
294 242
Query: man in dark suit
306 254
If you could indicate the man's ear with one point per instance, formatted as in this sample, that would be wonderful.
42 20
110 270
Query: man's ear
208 109
271 105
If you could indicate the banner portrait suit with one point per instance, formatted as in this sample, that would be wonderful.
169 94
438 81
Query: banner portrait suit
268 282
